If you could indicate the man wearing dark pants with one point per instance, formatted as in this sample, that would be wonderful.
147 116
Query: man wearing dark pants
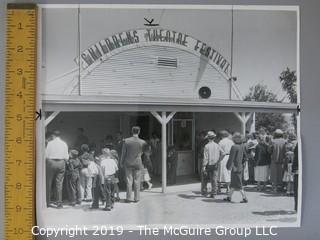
132 151
212 155
56 156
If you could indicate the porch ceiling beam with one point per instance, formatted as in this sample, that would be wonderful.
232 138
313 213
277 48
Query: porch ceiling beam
51 117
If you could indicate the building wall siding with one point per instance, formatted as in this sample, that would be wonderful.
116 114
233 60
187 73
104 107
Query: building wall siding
135 73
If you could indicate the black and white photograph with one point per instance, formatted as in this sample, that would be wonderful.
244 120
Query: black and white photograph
169 114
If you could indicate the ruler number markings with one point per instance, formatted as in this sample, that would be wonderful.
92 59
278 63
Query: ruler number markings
20 105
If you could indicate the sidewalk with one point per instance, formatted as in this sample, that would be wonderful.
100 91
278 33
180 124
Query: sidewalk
182 204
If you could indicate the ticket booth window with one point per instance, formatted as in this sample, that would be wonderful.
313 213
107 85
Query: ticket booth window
182 135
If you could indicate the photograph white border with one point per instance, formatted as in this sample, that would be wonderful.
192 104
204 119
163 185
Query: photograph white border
40 129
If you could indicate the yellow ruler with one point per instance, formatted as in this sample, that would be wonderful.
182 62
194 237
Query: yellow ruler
20 106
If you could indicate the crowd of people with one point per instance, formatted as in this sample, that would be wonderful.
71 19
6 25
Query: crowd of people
85 174
258 158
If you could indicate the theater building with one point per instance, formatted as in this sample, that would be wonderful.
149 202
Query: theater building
170 79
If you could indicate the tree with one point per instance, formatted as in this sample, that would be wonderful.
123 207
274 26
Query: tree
260 93
269 121
288 81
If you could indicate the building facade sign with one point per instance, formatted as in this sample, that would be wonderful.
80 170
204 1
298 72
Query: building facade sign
106 48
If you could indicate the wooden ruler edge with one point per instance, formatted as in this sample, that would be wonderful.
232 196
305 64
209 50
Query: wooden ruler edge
22 6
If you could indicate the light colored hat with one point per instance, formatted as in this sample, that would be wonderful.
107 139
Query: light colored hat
278 131
210 134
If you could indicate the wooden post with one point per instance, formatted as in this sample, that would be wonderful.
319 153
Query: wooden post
164 151
163 120
243 119
253 124
243 124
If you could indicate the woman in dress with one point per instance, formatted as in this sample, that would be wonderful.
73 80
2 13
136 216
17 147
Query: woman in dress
223 173
235 164
262 163
147 164
278 151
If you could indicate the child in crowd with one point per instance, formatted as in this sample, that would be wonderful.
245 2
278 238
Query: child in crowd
288 175
73 172
85 177
146 161
95 171
115 157
109 169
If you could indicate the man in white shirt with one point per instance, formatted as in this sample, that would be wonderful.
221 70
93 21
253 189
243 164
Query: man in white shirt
56 156
212 155
108 168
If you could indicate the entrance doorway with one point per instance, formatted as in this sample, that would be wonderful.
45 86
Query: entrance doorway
148 124
182 136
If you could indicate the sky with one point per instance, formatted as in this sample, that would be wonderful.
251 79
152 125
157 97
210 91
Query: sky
264 45
264 41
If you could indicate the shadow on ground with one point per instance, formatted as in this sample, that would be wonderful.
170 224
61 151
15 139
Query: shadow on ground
285 220
215 200
189 196
273 213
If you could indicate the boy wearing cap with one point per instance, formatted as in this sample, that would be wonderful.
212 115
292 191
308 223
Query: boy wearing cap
212 155
73 173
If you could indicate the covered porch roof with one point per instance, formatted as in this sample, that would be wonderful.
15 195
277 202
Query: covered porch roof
123 103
